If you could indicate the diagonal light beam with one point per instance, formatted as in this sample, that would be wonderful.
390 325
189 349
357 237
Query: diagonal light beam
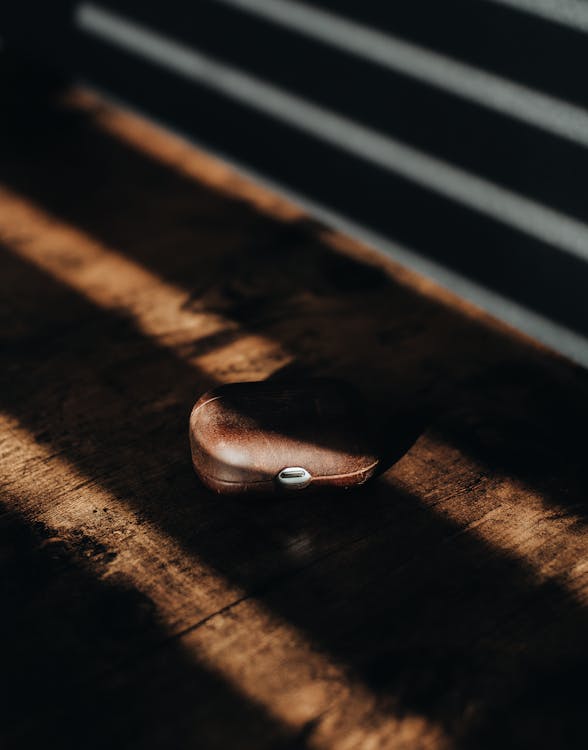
114 282
571 13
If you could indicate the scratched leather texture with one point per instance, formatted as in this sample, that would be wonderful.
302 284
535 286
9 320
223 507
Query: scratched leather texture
243 434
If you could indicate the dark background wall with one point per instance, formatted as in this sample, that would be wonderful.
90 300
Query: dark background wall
453 135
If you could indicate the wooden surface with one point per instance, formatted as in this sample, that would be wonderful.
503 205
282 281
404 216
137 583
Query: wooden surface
443 606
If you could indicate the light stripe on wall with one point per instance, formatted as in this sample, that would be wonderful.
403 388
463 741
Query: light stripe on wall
502 205
441 71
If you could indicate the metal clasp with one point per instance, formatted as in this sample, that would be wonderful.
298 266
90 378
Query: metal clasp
294 477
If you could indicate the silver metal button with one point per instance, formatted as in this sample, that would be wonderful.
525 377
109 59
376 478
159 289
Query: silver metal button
294 477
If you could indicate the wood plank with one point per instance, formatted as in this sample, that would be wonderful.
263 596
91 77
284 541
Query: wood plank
441 606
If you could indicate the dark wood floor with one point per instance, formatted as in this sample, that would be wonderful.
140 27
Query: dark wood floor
442 606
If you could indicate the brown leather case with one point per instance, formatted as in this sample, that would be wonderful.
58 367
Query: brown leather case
268 436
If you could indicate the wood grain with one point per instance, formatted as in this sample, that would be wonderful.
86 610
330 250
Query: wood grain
442 606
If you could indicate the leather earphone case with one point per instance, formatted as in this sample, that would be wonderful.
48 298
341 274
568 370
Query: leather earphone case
270 437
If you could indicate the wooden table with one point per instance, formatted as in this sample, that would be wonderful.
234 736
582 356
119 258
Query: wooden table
442 606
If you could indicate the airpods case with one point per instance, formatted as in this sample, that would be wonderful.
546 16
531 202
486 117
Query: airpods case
269 437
